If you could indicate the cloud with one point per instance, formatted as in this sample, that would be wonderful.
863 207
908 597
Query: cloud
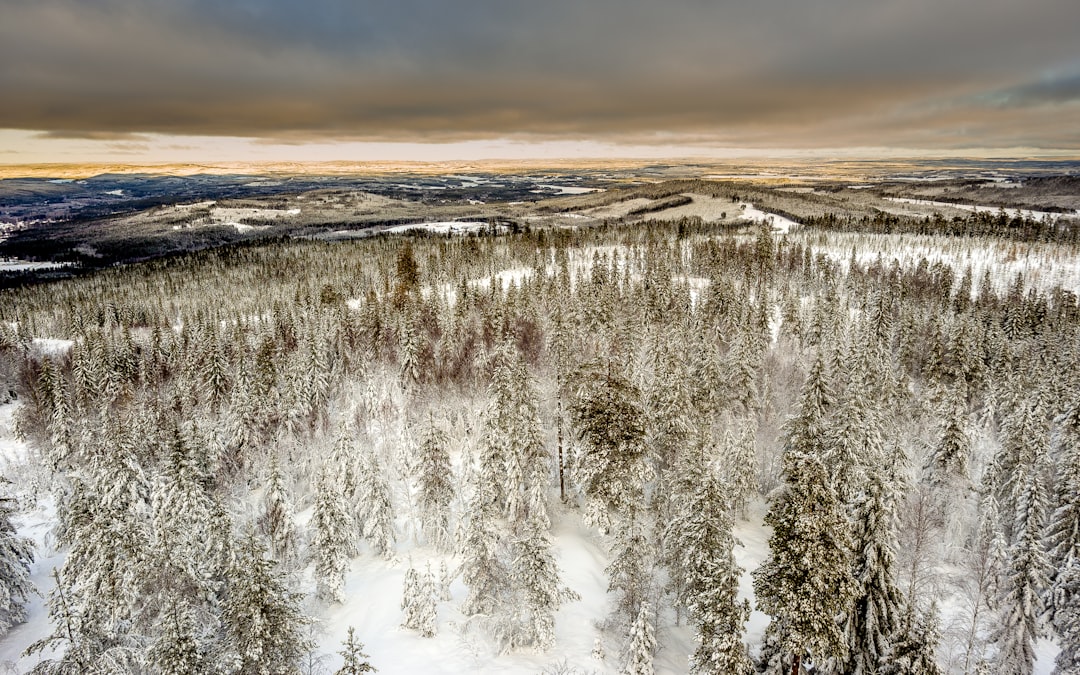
768 72
1053 89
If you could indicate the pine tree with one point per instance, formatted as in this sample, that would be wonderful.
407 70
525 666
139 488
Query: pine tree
356 661
1022 448
333 545
1025 579
642 645
610 425
377 509
875 616
805 583
176 651
948 462
16 556
483 569
740 462
435 482
444 582
263 621
275 523
535 576
427 610
700 544
1063 543
628 572
914 646
410 594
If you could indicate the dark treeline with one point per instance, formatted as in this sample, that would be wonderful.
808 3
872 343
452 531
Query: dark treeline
1003 224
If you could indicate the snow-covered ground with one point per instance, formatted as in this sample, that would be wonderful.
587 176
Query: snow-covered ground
565 189
779 223
450 227
14 265
1043 265
1024 213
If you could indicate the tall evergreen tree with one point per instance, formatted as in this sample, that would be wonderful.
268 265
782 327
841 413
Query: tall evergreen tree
16 556
435 483
805 583
1063 542
700 544
333 543
1025 579
275 522
610 424
263 620
875 617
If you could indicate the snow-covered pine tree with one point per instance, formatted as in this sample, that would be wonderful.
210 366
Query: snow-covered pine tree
535 577
700 543
1023 446
427 613
443 586
176 649
948 463
435 487
483 568
356 661
914 646
875 617
610 425
410 595
630 571
16 555
377 508
740 465
263 620
855 439
805 583
275 522
642 645
1025 578
1063 542
1067 620
333 542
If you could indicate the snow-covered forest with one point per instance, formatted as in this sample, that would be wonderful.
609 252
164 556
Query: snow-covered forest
635 448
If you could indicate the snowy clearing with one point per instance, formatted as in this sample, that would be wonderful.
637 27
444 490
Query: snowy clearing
1023 213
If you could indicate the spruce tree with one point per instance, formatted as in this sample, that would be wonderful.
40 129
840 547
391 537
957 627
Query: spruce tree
275 522
535 577
1025 579
700 544
875 616
610 425
435 483
377 510
263 620
356 661
948 462
1063 543
16 556
805 583
176 650
332 546
642 646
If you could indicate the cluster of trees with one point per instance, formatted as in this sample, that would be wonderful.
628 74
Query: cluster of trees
458 394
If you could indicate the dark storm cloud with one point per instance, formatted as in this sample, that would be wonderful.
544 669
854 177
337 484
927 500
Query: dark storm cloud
769 70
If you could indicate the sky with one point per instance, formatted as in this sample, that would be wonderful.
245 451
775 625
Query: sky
319 80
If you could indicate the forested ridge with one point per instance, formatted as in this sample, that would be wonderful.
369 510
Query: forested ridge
911 425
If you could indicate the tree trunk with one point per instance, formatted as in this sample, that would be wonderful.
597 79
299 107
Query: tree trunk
796 664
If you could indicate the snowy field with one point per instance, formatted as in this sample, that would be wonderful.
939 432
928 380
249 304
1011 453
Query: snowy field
1023 213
